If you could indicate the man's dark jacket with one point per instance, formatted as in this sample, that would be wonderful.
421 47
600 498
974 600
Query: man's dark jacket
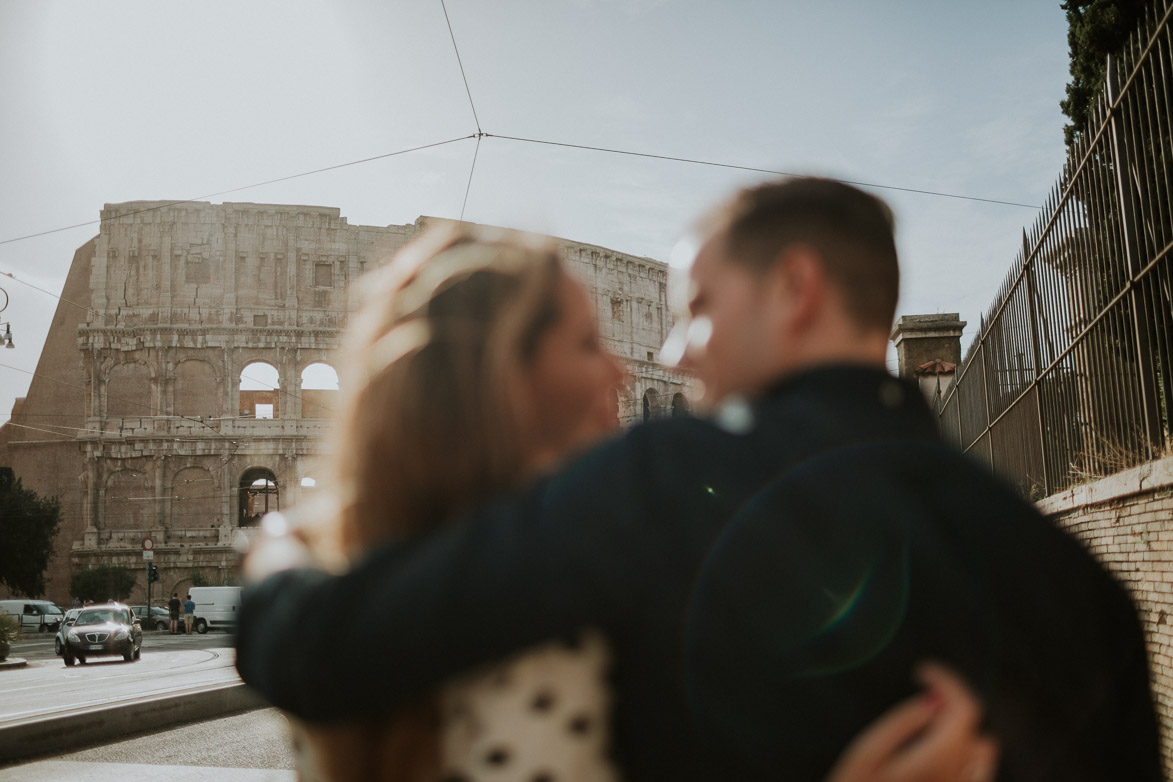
768 584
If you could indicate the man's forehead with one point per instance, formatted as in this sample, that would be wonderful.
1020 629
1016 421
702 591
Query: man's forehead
693 261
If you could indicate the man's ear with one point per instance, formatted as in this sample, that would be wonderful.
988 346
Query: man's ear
799 283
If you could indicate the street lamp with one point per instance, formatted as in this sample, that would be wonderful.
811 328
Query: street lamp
8 343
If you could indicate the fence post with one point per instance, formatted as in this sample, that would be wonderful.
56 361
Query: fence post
1037 382
1141 323
989 429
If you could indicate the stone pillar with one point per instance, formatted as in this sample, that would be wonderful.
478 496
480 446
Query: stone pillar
162 495
167 265
228 315
929 349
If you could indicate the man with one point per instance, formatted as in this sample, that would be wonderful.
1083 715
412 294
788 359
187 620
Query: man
767 576
173 607
188 614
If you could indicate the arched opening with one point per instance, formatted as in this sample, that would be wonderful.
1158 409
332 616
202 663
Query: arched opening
679 405
130 501
260 391
128 391
197 391
194 502
259 494
319 390
651 404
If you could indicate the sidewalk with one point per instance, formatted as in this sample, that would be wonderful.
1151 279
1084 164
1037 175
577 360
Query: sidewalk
68 730
252 746
75 771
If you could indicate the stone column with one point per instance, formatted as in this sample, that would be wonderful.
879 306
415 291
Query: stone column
162 498
228 315
929 349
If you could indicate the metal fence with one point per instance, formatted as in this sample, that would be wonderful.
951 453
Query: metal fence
1071 374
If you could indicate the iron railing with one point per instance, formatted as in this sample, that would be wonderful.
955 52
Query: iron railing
1071 374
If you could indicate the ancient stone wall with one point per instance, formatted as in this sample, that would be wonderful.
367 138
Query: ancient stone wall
183 374
40 441
1126 521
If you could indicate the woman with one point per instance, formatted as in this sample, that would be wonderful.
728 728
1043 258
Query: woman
475 365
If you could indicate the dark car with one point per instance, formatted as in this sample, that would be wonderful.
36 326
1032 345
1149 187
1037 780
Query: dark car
160 618
101 631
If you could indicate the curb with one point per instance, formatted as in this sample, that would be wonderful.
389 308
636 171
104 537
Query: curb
60 733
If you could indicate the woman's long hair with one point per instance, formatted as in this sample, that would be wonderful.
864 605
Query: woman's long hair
433 420
433 417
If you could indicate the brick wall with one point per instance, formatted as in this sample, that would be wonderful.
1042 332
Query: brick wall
1126 521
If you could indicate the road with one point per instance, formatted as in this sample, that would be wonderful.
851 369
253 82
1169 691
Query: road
169 664
250 747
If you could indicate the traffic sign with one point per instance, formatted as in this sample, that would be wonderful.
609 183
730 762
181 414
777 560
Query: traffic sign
148 555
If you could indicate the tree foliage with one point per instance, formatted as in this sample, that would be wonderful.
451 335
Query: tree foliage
1095 30
28 524
102 582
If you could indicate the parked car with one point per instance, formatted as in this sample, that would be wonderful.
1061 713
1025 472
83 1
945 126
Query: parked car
41 615
101 631
215 607
66 621
158 619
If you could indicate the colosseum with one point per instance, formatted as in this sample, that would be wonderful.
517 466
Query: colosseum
186 382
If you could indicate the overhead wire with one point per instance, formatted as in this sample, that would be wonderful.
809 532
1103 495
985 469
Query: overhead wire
472 169
14 278
169 204
217 432
754 169
459 62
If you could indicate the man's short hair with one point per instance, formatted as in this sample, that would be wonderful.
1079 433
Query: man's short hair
851 231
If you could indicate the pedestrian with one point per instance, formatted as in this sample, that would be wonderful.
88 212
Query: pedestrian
188 614
76 602
766 575
174 607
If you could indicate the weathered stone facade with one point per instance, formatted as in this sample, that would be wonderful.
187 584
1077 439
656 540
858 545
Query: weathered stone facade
149 379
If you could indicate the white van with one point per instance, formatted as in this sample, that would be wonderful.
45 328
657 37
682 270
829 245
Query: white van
215 607
39 615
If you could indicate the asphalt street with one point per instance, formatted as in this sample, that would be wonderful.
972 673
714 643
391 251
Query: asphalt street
169 664
254 746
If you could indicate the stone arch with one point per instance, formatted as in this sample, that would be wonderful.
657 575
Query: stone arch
128 390
258 494
129 501
319 390
260 390
197 388
195 499
679 405
651 404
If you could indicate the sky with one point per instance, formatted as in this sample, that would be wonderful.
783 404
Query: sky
122 101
